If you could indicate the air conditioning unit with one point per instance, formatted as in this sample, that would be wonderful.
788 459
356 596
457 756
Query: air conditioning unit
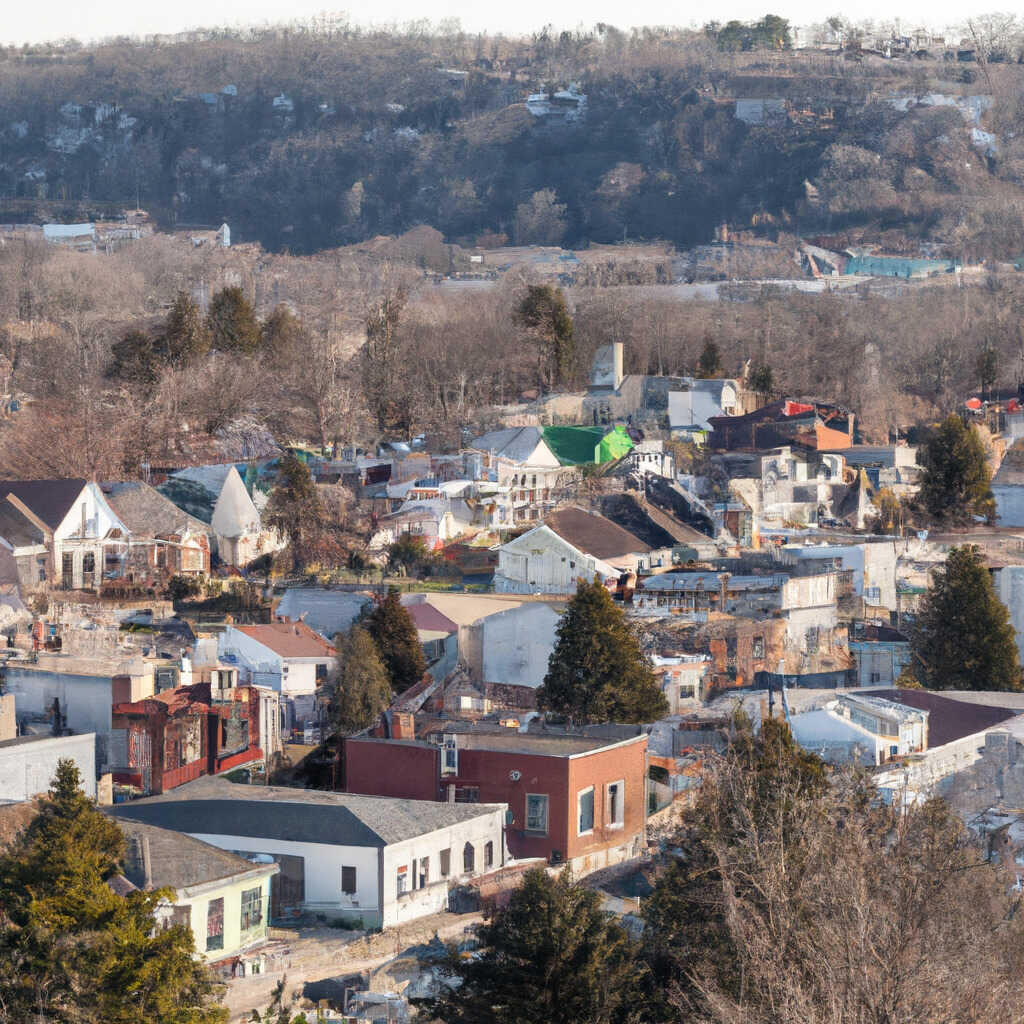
515 775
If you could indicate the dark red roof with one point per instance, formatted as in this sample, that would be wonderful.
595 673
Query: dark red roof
949 719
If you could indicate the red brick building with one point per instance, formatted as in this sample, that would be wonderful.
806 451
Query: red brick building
572 798
178 735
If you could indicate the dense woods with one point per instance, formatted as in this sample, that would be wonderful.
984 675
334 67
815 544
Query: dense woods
322 135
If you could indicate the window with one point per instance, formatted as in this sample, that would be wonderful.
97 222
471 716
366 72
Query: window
215 924
402 880
180 915
488 854
468 857
252 908
467 795
89 562
348 881
616 804
876 677
585 811
757 648
536 812
811 639
687 691
424 872
446 862
450 757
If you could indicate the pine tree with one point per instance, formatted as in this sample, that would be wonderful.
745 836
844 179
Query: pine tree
282 333
710 362
955 483
185 337
962 638
232 323
543 311
551 955
294 508
597 671
395 634
71 949
364 687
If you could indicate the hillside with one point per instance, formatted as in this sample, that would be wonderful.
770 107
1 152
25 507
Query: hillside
307 140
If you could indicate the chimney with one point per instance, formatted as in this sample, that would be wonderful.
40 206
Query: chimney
147 865
617 363
723 589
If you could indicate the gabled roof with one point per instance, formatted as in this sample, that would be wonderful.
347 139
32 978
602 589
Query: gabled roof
50 500
517 444
289 639
427 617
177 860
214 806
148 513
593 534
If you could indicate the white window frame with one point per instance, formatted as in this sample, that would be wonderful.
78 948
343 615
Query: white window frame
402 880
579 811
620 821
526 824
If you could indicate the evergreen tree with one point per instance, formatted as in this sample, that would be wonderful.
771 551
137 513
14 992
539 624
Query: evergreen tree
394 632
282 333
955 483
762 381
73 950
551 955
597 671
294 508
710 362
962 638
185 336
364 687
544 313
134 361
232 323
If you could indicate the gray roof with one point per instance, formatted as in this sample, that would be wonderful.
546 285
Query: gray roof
214 806
146 512
329 612
178 860
516 443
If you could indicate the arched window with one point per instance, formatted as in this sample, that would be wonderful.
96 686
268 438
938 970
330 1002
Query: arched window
468 857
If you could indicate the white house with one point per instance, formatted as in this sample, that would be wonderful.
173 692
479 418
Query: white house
84 537
286 656
572 543
519 459
216 495
379 859
29 763
691 409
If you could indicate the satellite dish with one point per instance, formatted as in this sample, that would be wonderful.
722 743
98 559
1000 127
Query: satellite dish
515 775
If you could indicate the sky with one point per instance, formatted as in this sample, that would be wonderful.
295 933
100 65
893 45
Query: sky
95 19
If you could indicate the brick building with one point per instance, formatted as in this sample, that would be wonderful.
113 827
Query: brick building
575 798
178 735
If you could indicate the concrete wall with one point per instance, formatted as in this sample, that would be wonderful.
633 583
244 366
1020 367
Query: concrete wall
323 864
487 828
516 644
1009 504
27 766
85 699
8 721
1011 592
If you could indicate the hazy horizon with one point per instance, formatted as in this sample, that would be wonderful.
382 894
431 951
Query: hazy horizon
114 18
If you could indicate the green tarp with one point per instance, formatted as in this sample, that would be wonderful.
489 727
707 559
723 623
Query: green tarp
577 446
